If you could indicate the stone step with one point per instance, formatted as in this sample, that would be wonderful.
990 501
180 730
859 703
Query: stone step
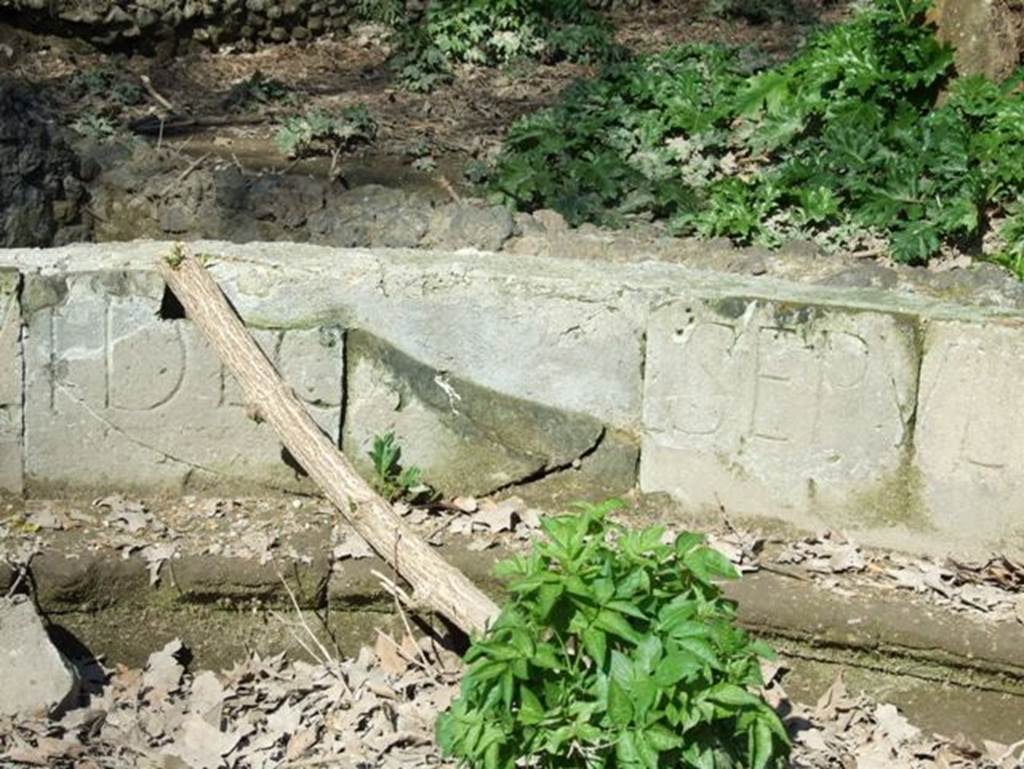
894 644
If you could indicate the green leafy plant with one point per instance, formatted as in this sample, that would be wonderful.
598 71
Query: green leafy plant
107 85
259 89
618 651
95 126
318 133
419 65
391 480
846 142
493 32
326 133
388 12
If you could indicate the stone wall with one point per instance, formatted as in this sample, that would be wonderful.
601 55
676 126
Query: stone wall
888 414
148 24
42 189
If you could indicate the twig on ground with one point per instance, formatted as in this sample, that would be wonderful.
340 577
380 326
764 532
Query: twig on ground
155 94
402 653
328 660
392 589
21 570
405 619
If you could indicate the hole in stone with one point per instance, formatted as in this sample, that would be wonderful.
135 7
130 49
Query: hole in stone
170 307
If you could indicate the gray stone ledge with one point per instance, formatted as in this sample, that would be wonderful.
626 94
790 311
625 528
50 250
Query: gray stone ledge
884 412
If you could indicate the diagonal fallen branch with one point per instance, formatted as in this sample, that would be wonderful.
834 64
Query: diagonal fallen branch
435 582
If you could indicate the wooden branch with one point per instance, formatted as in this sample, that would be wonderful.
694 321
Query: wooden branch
435 582
155 94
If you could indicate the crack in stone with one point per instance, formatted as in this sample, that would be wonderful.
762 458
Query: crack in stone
548 470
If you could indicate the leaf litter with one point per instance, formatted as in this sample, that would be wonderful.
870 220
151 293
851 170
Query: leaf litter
377 710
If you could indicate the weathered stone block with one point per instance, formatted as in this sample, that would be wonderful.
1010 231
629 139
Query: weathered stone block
797 411
10 385
466 438
550 332
119 397
37 678
970 431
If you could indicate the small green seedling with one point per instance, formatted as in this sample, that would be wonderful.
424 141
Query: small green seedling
391 480
615 650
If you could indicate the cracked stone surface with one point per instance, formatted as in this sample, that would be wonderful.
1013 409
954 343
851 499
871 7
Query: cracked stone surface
882 412
796 411
467 439
116 396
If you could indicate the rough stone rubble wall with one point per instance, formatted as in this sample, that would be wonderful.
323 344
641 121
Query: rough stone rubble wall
889 415
146 23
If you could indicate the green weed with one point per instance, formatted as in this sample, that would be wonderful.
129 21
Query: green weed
848 139
492 32
330 134
618 651
391 480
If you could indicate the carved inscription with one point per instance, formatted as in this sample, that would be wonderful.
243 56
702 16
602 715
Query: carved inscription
731 378
121 366
771 401
115 388
970 430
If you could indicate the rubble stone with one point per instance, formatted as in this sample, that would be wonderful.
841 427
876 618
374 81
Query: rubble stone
37 678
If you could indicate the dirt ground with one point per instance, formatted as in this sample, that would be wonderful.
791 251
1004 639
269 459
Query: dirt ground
378 709
465 118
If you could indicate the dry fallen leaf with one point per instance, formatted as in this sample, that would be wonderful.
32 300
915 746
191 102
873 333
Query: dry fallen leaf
155 557
200 745
163 671
466 504
353 546
893 727
498 517
386 649
300 742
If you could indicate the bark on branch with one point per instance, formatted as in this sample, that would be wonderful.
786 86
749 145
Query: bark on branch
435 582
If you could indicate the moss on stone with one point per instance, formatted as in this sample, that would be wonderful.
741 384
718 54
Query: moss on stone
43 291
895 499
